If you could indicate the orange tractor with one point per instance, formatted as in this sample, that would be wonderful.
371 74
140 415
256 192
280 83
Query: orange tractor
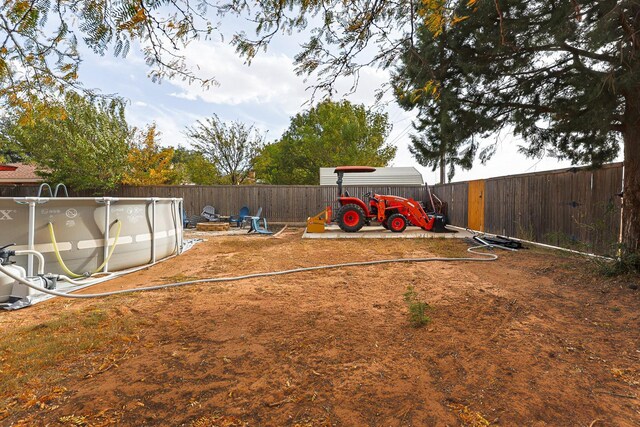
392 212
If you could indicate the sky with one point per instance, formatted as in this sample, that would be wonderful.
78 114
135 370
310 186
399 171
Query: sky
266 94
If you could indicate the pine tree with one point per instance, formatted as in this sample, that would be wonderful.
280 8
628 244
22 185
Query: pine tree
447 131
563 73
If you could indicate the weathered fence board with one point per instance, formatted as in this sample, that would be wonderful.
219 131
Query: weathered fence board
455 195
578 208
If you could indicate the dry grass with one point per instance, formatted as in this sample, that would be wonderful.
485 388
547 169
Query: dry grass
35 359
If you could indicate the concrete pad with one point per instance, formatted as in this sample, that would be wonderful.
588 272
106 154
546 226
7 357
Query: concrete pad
379 232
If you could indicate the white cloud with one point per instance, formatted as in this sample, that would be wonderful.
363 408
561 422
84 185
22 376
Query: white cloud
170 122
269 80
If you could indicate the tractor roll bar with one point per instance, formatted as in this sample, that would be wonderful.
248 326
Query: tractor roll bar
341 170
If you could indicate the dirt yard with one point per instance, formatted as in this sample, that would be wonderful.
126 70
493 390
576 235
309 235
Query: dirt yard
533 339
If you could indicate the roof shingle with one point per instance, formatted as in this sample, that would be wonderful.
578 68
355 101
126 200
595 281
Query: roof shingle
18 173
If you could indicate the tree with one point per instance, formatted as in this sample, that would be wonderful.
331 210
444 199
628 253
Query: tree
194 168
231 148
149 164
341 44
9 151
85 147
563 74
447 131
39 54
330 134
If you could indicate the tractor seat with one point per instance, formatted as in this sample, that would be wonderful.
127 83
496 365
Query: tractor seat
346 194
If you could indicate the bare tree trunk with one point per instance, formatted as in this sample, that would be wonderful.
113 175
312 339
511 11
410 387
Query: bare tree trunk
631 203
443 167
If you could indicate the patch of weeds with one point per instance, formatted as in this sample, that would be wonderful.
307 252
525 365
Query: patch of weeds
599 227
468 417
563 240
525 232
626 262
417 309
178 278
94 318
218 420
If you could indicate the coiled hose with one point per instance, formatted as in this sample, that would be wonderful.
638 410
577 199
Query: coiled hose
52 235
485 257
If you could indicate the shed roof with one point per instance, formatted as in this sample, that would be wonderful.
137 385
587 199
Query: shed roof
381 176
18 173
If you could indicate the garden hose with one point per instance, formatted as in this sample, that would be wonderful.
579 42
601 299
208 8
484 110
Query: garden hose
485 257
52 234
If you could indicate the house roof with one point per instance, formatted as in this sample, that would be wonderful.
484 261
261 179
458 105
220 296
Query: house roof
18 173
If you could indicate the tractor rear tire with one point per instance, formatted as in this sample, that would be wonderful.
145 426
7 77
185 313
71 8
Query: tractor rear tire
350 218
397 223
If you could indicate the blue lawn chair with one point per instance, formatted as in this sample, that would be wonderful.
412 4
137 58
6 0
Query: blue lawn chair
254 223
238 219
247 219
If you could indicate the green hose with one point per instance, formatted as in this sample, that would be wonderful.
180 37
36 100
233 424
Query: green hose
52 234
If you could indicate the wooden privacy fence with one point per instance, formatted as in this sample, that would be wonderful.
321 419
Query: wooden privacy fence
579 208
288 204
279 203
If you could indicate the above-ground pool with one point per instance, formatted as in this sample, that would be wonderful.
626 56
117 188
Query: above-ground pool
72 231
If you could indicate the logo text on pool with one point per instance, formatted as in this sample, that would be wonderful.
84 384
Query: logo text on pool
6 215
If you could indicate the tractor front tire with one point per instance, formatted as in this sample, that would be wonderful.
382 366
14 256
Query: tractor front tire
397 223
350 218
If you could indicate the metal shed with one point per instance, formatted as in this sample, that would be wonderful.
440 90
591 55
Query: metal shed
382 176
